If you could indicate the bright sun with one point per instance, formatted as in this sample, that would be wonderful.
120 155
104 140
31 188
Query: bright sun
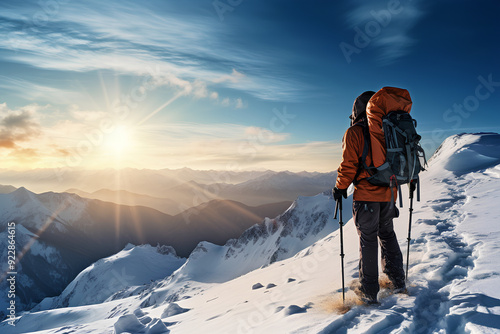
119 140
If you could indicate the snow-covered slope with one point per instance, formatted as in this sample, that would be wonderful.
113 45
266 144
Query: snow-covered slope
306 221
42 272
57 235
454 270
43 224
129 269
466 153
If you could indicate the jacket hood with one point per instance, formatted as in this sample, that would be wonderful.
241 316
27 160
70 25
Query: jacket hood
359 106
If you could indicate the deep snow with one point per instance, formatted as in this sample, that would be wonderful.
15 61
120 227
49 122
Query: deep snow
453 280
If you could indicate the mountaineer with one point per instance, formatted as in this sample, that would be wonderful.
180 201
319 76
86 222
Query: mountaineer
373 205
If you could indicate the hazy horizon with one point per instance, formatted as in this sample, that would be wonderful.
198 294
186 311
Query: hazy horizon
172 191
242 170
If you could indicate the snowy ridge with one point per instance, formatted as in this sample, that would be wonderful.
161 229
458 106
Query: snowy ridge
466 153
43 259
50 214
32 210
454 269
131 268
307 220
23 207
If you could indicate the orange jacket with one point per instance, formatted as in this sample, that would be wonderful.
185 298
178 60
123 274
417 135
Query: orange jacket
352 149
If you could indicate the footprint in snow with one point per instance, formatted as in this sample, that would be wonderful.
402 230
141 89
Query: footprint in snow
257 286
294 309
278 309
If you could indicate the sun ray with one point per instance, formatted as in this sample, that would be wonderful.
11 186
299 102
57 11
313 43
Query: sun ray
104 90
154 112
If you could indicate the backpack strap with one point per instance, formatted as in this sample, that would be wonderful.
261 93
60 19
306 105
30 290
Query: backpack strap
362 160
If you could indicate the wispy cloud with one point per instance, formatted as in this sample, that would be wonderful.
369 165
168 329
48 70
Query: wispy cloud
237 103
387 25
240 104
188 52
234 77
37 92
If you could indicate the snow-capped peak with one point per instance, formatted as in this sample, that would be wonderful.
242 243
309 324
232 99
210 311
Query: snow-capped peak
124 272
306 221
468 152
22 195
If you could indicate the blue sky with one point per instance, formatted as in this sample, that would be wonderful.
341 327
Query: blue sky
233 84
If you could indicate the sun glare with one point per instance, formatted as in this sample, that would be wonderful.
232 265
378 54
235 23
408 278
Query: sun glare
119 140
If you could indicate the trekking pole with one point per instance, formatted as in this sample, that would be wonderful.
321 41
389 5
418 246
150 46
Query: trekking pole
412 190
338 206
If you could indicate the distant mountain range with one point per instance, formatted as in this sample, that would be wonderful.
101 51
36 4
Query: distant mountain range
142 181
174 191
6 189
59 234
124 197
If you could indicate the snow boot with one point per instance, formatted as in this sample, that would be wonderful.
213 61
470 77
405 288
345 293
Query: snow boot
367 299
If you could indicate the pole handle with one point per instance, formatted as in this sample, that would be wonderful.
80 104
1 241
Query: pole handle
418 190
400 196
340 210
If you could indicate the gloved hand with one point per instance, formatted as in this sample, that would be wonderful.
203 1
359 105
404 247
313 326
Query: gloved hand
413 185
338 193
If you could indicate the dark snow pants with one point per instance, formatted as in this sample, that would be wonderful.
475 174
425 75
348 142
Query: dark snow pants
374 219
